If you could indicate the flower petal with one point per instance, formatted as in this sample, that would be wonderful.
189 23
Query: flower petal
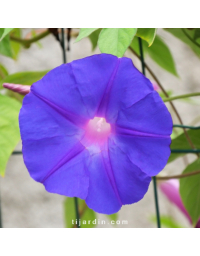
132 183
148 115
102 197
79 86
150 154
114 181
70 176
128 87
50 141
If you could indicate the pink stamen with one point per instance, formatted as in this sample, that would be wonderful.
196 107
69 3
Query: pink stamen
97 130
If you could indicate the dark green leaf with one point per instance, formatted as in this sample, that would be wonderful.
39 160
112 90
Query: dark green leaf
9 129
147 34
94 38
187 37
25 78
115 40
161 54
196 33
5 31
190 191
3 72
87 215
181 142
5 47
15 45
84 32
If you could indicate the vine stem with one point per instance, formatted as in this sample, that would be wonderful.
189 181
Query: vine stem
154 178
182 96
27 42
177 176
167 96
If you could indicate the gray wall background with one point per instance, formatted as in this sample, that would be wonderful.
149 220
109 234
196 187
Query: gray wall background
26 204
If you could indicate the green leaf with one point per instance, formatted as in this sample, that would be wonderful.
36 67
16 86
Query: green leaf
3 72
116 40
87 215
25 78
5 32
186 37
94 38
190 191
181 142
167 222
147 34
15 45
9 129
161 54
5 47
196 33
84 32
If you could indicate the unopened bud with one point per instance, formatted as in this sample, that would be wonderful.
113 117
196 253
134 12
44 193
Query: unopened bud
19 88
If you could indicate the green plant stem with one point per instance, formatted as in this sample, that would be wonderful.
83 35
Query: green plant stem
156 202
77 211
154 179
167 96
177 176
27 42
182 96
81 213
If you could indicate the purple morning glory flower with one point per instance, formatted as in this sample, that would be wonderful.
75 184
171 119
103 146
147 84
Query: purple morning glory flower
95 129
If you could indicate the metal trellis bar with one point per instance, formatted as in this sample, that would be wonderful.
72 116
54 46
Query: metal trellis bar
154 178
65 60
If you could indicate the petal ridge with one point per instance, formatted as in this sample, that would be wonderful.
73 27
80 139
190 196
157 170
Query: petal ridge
150 154
149 115
102 108
130 159
132 182
130 132
75 151
110 173
69 116
78 88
